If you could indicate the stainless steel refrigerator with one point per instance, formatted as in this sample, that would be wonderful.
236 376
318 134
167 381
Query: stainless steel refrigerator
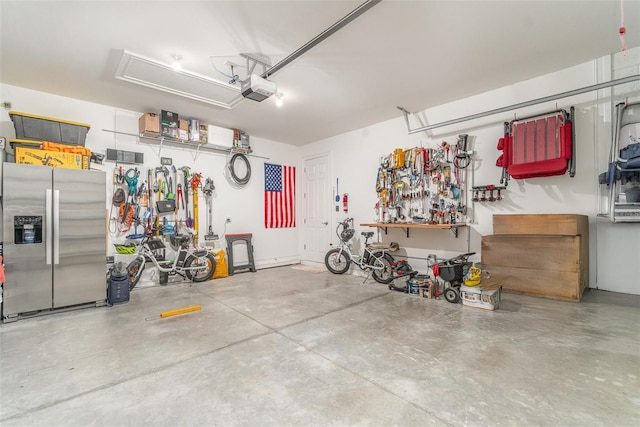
54 227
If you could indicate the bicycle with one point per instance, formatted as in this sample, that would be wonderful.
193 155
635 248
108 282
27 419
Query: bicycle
375 258
194 265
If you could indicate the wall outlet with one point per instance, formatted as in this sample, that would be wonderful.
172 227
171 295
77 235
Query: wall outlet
227 219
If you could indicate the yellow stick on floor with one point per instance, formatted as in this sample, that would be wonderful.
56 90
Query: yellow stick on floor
180 311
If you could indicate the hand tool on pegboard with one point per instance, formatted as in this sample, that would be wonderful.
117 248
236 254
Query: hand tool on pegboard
195 184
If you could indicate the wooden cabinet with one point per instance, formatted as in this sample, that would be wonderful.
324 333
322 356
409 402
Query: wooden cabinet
545 255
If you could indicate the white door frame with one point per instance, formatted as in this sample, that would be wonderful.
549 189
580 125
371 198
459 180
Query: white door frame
330 219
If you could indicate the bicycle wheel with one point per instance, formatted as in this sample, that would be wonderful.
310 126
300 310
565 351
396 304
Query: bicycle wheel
337 261
384 260
135 269
206 267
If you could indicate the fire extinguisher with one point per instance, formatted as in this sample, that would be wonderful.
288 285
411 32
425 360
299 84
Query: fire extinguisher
345 203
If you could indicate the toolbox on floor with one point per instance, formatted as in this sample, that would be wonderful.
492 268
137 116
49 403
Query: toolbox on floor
41 128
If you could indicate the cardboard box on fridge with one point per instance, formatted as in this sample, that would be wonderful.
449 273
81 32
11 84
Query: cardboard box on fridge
149 124
34 156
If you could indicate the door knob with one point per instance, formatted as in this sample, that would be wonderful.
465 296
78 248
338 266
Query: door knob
325 223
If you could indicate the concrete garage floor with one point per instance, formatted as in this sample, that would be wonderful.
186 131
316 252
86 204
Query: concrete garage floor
299 346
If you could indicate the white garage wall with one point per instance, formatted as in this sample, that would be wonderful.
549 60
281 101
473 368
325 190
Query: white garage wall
243 205
615 250
355 162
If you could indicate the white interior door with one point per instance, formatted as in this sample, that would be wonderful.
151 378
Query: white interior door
318 204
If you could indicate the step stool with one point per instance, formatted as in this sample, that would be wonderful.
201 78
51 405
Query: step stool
246 237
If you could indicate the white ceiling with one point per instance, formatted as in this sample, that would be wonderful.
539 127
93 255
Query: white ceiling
414 54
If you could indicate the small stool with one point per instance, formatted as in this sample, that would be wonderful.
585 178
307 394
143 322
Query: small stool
246 237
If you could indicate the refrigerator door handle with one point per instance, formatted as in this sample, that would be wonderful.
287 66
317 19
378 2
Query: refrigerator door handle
48 225
56 227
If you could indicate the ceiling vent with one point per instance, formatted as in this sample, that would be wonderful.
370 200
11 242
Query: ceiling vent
137 69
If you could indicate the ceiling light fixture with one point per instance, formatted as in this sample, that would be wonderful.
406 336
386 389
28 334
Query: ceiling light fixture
176 64
279 102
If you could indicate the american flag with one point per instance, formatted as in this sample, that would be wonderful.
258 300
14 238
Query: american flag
279 196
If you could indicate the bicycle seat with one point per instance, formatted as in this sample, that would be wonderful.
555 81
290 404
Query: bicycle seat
367 234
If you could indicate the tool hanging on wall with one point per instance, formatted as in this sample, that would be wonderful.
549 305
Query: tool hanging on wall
135 234
461 157
180 199
207 190
143 195
150 210
187 179
118 176
173 180
423 185
128 209
170 194
167 229
195 183
487 193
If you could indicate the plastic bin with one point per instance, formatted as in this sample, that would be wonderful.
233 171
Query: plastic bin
41 128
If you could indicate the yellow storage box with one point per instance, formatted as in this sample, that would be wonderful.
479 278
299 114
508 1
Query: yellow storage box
50 146
34 156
